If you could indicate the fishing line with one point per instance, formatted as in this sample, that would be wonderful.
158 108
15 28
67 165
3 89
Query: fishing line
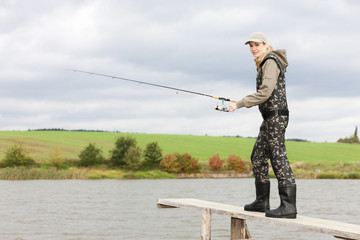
222 108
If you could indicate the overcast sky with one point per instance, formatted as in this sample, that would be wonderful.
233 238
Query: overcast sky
194 45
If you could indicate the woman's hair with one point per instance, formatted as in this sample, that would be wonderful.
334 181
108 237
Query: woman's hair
259 59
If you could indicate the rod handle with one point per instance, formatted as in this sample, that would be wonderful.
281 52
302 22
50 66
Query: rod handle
224 99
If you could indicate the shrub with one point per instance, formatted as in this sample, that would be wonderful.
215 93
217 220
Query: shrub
91 156
56 158
354 175
235 163
189 164
170 163
17 155
180 163
132 158
327 175
153 155
122 145
215 162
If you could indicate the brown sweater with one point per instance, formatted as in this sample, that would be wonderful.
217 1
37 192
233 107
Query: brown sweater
270 75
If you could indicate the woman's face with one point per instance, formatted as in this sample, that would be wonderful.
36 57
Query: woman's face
257 49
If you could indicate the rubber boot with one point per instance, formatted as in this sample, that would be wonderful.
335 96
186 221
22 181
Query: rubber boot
261 203
287 208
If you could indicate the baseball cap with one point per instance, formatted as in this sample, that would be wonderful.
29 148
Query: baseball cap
257 37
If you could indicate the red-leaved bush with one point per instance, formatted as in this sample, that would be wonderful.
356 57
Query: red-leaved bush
179 163
235 163
215 162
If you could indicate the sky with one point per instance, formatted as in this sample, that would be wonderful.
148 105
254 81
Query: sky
193 45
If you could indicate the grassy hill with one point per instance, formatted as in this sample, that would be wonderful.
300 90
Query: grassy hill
41 143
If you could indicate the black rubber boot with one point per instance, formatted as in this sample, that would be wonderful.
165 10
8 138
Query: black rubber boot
287 208
261 203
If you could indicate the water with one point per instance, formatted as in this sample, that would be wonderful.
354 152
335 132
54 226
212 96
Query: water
126 209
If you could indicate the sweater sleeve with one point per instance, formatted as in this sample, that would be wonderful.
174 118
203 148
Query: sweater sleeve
270 76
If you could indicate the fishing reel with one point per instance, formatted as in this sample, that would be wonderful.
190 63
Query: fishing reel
222 108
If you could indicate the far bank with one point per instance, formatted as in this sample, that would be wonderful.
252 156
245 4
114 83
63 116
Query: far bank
301 170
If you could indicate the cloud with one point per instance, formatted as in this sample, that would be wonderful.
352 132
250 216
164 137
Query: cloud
197 46
325 119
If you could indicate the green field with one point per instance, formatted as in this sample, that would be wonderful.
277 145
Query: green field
41 143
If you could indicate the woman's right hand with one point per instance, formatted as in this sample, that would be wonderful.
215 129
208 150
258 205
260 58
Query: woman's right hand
232 107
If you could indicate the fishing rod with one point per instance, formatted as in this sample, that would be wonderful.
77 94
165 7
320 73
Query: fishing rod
222 108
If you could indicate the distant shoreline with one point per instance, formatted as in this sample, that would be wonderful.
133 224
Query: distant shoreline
301 171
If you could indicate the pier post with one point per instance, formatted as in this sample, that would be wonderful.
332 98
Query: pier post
239 229
205 233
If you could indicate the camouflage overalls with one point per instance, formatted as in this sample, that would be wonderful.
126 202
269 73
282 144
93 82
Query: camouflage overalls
270 142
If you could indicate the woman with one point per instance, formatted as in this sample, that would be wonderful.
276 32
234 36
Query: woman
271 98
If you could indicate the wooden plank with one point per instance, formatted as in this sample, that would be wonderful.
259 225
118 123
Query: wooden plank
338 229
164 206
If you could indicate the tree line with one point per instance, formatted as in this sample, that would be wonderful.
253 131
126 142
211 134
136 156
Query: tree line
352 139
126 155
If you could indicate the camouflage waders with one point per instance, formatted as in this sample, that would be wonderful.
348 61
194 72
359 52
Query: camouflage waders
271 144
271 139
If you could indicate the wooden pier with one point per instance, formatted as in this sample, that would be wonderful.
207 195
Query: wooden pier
238 216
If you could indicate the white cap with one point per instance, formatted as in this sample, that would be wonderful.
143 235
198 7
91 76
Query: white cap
257 37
